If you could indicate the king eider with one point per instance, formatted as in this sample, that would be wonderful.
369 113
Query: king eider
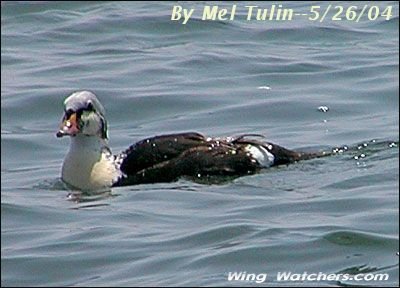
90 165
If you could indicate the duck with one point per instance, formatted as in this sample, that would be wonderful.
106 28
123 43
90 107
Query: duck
90 165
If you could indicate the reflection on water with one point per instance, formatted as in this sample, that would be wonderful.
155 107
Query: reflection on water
85 197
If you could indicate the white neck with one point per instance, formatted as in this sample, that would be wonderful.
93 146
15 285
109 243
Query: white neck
89 164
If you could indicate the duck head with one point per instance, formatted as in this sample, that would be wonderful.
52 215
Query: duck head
83 115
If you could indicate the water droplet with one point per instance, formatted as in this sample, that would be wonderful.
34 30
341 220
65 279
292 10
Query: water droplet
323 109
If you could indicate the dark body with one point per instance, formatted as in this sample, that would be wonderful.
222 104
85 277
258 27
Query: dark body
166 158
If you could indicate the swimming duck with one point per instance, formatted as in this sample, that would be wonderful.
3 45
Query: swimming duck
89 164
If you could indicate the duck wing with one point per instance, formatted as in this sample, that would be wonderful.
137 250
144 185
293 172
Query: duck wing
152 151
166 158
212 158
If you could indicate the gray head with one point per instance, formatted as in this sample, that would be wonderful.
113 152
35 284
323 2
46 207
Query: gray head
84 114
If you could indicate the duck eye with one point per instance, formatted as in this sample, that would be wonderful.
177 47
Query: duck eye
69 112
90 106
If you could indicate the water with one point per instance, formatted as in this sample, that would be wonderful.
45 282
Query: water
331 215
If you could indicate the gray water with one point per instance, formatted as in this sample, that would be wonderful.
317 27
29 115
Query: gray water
338 214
